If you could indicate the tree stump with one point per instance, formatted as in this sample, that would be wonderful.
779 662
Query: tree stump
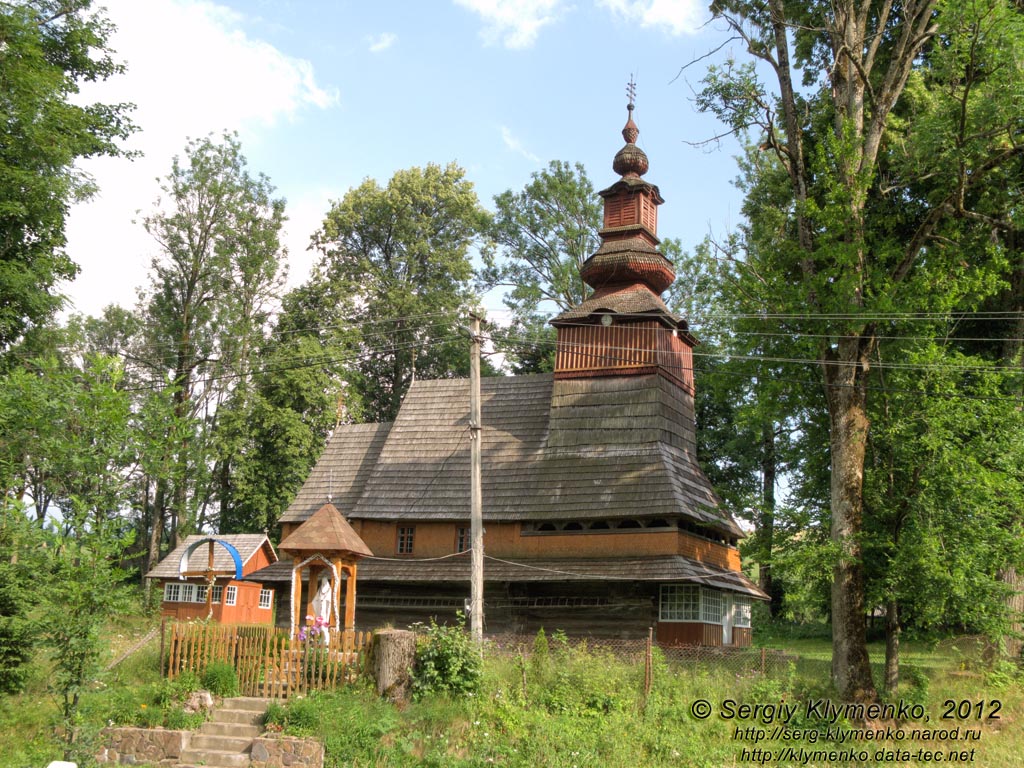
391 658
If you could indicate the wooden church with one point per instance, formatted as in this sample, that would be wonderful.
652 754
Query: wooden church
598 519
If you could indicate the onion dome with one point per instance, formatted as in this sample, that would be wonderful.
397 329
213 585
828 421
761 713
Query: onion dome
630 161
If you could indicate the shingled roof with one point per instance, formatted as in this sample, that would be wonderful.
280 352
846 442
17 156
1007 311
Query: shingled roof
325 531
340 474
247 545
572 449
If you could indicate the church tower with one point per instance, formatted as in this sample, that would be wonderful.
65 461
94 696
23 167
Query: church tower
624 328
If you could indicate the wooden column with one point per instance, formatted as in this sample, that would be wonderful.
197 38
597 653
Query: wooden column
296 598
336 594
350 598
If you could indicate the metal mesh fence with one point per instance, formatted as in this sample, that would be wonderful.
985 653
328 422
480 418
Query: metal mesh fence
737 661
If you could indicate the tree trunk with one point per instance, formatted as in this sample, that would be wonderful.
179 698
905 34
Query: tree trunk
766 522
156 523
391 659
851 670
892 646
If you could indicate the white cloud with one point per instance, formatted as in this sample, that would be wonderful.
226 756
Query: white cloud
513 23
191 71
677 17
382 42
516 145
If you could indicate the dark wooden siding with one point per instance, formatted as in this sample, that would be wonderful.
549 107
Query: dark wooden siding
689 633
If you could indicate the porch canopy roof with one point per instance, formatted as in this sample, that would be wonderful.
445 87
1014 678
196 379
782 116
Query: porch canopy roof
667 568
326 532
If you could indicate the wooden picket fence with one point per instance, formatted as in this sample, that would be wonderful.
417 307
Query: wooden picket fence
267 661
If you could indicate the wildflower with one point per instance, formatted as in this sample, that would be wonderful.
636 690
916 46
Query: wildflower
143 706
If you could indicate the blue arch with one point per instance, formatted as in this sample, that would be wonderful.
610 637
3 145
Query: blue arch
183 563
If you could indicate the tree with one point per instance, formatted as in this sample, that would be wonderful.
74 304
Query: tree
85 590
847 255
395 266
543 234
206 309
47 49
538 241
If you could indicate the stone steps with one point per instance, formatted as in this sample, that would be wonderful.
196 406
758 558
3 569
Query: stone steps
212 728
225 740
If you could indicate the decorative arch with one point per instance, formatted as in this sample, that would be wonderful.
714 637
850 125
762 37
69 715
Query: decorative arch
235 556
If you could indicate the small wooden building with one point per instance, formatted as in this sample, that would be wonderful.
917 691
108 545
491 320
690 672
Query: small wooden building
234 599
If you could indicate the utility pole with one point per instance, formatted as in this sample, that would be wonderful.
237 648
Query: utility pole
476 522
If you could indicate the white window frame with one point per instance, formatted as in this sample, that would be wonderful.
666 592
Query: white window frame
742 612
712 606
679 603
188 593
218 593
231 596
172 592
692 604
266 598
200 594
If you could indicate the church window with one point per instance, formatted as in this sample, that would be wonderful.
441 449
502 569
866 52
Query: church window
405 539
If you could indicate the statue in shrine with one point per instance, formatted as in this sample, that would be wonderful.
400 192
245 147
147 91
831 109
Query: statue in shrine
323 605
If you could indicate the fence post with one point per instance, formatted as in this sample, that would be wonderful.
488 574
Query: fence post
163 626
648 664
763 668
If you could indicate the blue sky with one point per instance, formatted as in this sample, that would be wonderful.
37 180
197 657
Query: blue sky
325 94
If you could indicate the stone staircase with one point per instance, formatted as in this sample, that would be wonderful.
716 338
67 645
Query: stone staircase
225 740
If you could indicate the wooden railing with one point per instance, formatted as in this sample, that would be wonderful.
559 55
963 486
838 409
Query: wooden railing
267 661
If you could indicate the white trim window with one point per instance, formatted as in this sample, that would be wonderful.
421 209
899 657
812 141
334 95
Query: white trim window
231 596
218 593
712 606
266 596
679 602
172 592
741 614
200 596
692 603
188 593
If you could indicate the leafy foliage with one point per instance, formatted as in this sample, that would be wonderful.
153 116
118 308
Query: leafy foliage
395 266
49 48
537 242
447 661
221 679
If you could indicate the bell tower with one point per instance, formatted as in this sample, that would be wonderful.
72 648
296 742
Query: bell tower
624 328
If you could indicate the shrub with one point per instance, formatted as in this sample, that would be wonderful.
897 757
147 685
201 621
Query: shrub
303 716
220 679
446 661
179 720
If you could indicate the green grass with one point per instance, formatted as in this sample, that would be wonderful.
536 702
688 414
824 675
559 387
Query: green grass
579 708
586 709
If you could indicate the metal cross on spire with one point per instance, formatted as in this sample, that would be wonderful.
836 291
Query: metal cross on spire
631 93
